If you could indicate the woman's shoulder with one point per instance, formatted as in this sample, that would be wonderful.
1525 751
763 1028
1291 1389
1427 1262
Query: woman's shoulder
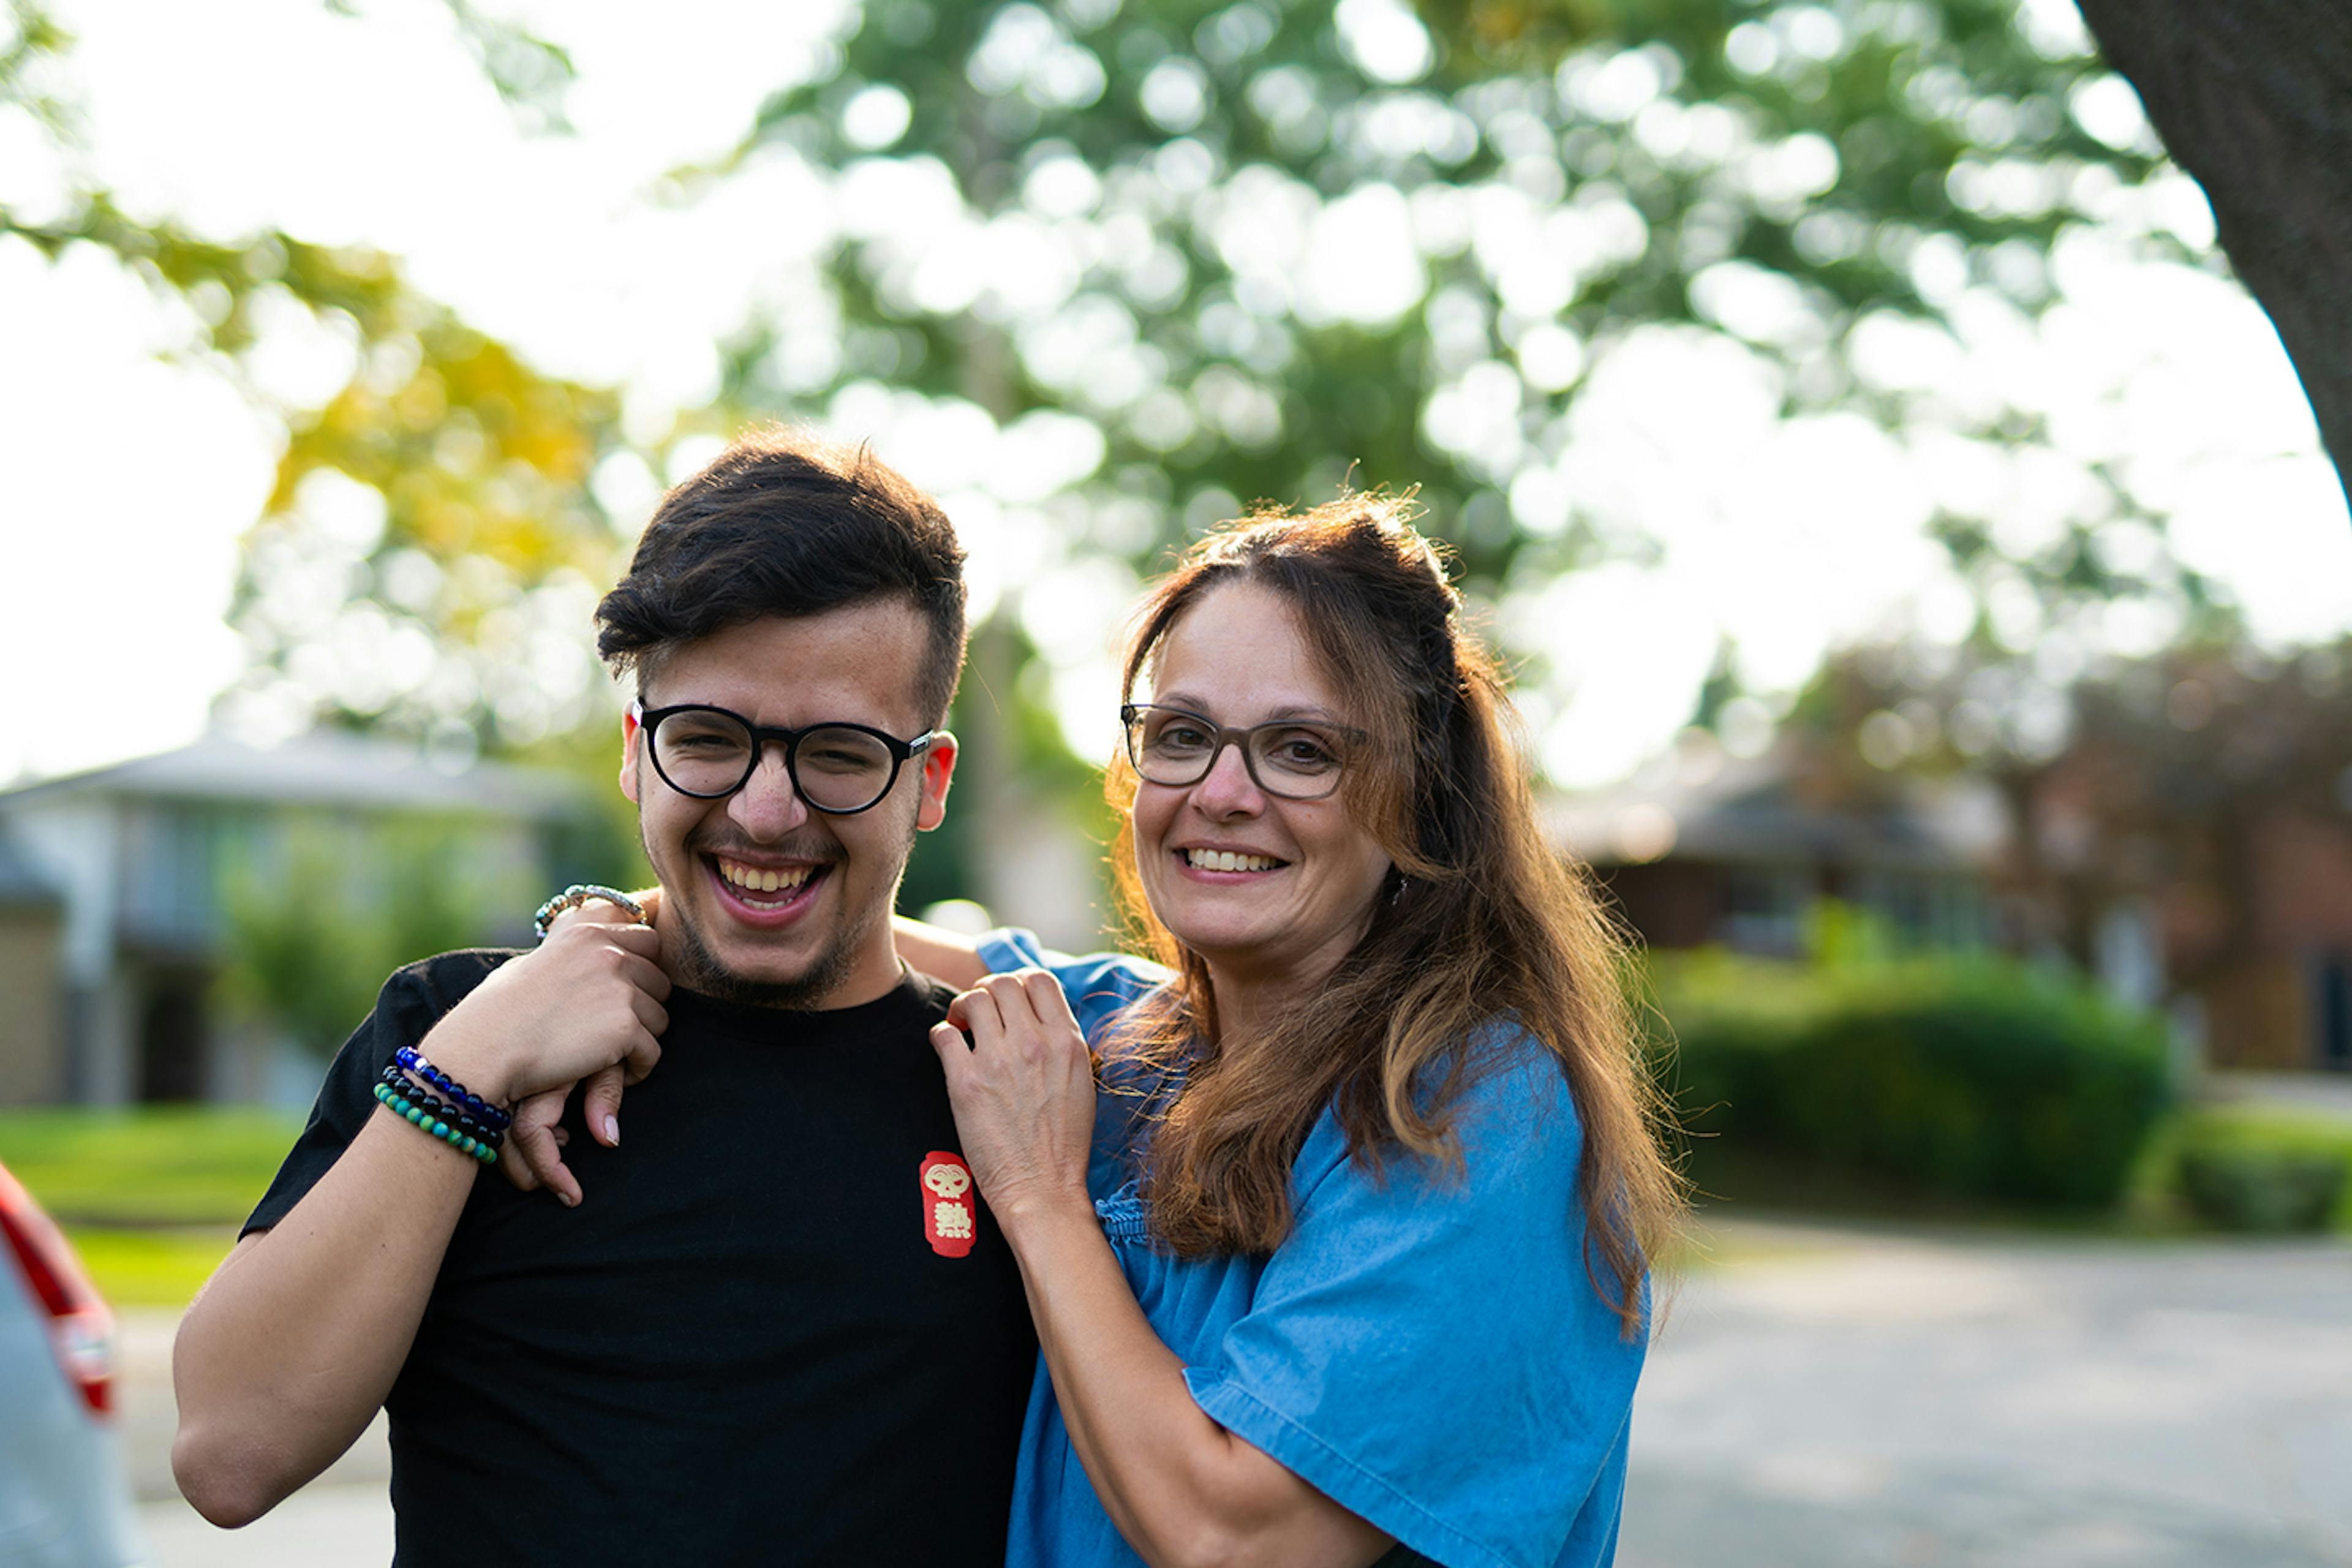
1509 1075
1098 984
1508 1112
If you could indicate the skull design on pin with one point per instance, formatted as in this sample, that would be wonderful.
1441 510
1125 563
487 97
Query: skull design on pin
949 1216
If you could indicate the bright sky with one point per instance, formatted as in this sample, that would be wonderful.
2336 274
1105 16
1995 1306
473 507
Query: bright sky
125 482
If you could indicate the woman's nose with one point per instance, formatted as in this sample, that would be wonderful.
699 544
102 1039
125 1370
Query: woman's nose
1227 787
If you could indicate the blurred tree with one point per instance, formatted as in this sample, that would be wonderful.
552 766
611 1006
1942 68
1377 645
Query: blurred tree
1259 244
398 891
1170 256
431 541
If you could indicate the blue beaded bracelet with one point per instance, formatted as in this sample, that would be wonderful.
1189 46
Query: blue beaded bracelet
416 1116
491 1115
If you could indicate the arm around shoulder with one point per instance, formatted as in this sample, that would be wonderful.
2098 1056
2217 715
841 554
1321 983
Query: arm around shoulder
943 954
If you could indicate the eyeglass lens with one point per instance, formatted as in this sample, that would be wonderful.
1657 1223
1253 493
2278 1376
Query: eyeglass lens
835 768
1285 757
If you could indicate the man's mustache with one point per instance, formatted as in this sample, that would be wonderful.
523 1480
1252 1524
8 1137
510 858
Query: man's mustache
802 844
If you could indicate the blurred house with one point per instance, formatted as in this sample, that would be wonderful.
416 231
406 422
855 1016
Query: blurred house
2240 929
32 1066
2280 995
2242 874
1740 853
116 889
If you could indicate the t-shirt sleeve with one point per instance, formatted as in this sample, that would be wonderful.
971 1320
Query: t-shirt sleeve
1097 985
405 1010
1430 1353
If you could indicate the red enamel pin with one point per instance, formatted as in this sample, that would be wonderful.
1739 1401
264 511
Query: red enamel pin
950 1218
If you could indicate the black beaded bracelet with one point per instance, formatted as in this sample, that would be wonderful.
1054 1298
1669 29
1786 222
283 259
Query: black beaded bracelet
454 1113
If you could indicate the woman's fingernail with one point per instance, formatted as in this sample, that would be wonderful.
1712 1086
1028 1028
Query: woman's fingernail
569 1201
612 1131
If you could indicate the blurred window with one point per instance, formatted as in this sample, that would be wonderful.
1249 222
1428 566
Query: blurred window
1764 909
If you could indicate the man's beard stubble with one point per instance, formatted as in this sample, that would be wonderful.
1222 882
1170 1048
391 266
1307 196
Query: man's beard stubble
698 969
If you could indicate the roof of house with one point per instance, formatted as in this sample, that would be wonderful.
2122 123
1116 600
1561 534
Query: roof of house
1746 810
324 767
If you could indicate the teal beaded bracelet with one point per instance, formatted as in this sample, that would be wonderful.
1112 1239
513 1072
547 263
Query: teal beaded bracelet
455 1137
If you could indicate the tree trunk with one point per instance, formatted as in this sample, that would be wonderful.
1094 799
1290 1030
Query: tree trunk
2254 97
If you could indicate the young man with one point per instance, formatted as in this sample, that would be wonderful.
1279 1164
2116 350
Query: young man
782 1331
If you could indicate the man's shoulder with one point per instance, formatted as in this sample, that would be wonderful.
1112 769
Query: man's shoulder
431 986
931 994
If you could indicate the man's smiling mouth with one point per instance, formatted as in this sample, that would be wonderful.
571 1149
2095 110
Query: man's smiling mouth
765 886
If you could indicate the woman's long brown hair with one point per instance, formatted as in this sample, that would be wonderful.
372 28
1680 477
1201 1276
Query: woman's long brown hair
1483 919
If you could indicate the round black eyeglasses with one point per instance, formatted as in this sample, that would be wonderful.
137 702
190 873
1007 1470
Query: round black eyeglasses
1296 758
710 752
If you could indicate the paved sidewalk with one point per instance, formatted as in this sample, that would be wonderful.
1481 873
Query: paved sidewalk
1827 1398
322 1526
340 1520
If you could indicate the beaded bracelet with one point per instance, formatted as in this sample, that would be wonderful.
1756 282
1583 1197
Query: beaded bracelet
490 1115
456 1114
456 1138
579 894
424 1099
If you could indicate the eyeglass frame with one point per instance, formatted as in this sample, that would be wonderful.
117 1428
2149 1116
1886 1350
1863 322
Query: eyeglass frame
1232 735
901 751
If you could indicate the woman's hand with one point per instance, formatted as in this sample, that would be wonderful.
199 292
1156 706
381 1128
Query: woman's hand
534 1149
1023 1092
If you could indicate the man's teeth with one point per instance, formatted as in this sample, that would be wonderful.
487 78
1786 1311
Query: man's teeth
1226 860
764 879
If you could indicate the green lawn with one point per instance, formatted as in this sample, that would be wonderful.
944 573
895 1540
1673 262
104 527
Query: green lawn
150 1197
151 1267
160 1165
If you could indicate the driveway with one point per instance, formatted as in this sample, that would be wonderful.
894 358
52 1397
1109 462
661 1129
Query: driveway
1830 1398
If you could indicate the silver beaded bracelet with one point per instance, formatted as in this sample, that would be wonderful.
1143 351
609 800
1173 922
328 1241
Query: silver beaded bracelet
579 894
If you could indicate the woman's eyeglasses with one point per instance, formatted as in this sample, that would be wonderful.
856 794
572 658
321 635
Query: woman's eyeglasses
1295 759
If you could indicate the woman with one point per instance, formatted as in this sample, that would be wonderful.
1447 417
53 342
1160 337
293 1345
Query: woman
1338 1240
1351 1249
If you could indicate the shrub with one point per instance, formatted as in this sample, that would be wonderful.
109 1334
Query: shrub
1979 1077
2249 1167
2262 1189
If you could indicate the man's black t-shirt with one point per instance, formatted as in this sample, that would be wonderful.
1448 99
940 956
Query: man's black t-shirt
779 1330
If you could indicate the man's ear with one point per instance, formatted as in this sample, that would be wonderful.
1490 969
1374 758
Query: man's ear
939 772
632 736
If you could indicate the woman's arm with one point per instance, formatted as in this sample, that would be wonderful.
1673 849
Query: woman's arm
938 952
1181 1487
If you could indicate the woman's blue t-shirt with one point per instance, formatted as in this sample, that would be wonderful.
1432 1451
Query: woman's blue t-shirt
1427 1351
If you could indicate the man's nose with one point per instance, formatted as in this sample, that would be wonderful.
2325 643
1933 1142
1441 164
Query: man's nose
768 806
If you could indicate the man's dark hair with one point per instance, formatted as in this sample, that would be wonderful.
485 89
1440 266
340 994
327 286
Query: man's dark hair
781 524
